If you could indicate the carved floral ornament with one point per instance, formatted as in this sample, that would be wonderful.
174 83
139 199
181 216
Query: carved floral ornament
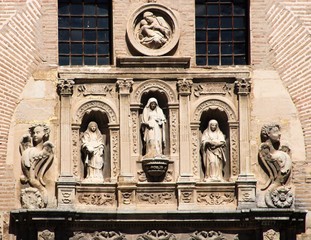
153 30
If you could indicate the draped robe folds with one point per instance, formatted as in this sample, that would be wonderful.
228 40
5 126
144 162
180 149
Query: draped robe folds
213 153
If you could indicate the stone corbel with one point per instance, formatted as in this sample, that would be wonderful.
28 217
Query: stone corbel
65 87
124 85
242 86
184 86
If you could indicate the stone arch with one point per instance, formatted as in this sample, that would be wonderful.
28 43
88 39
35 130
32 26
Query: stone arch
154 85
95 105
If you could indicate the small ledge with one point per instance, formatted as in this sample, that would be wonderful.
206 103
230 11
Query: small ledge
142 61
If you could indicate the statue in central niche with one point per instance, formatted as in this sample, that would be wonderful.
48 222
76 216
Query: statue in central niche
93 147
153 126
213 148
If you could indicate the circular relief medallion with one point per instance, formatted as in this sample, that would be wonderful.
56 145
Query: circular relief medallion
153 30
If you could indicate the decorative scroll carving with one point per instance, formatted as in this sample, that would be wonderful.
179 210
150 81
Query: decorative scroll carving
277 163
46 235
135 132
186 196
111 235
243 86
212 235
234 150
212 88
214 104
156 198
271 235
97 199
115 153
65 87
127 197
95 90
155 85
157 235
184 86
153 30
66 196
125 85
37 157
96 106
75 152
195 151
174 130
215 198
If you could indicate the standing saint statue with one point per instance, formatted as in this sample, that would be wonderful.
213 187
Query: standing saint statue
93 147
213 148
153 126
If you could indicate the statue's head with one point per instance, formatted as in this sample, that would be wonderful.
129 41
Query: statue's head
148 16
213 125
271 131
39 133
92 126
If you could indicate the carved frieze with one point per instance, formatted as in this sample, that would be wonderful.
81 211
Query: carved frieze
115 153
103 235
157 235
135 132
75 152
96 199
174 130
127 197
219 198
100 90
234 151
212 88
156 198
186 196
212 235
195 151
46 235
66 196
153 30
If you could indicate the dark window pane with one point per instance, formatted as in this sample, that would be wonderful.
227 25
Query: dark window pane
63 9
200 10
239 48
63 22
239 22
63 60
201 48
226 22
89 48
225 9
90 22
90 60
213 61
103 35
76 48
239 36
213 49
89 9
76 9
103 23
200 22
239 9
76 35
200 36
77 1
213 23
226 61
226 48
63 35
76 22
212 9
201 61
89 1
103 61
76 60
90 35
102 10
239 60
213 36
226 36
63 48
103 48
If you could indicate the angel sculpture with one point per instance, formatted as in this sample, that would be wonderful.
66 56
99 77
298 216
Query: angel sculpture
37 156
275 158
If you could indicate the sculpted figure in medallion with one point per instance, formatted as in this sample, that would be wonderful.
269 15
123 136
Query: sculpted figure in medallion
277 163
93 147
153 126
37 156
213 149
154 31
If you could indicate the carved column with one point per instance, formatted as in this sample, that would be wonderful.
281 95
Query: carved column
246 181
186 182
66 181
126 186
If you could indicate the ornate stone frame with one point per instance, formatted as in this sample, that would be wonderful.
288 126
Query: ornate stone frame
228 108
169 17
86 107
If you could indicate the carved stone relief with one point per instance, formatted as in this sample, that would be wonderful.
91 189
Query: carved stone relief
277 163
213 235
212 88
234 151
153 30
217 198
96 199
271 235
37 157
101 90
156 198
115 153
174 130
157 235
46 235
76 152
108 235
195 152
135 132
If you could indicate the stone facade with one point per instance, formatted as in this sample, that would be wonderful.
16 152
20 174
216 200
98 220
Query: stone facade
264 191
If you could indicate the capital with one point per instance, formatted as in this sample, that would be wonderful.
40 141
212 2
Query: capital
124 85
184 86
65 87
242 86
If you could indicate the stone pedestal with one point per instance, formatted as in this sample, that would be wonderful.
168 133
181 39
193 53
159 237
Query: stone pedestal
246 186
